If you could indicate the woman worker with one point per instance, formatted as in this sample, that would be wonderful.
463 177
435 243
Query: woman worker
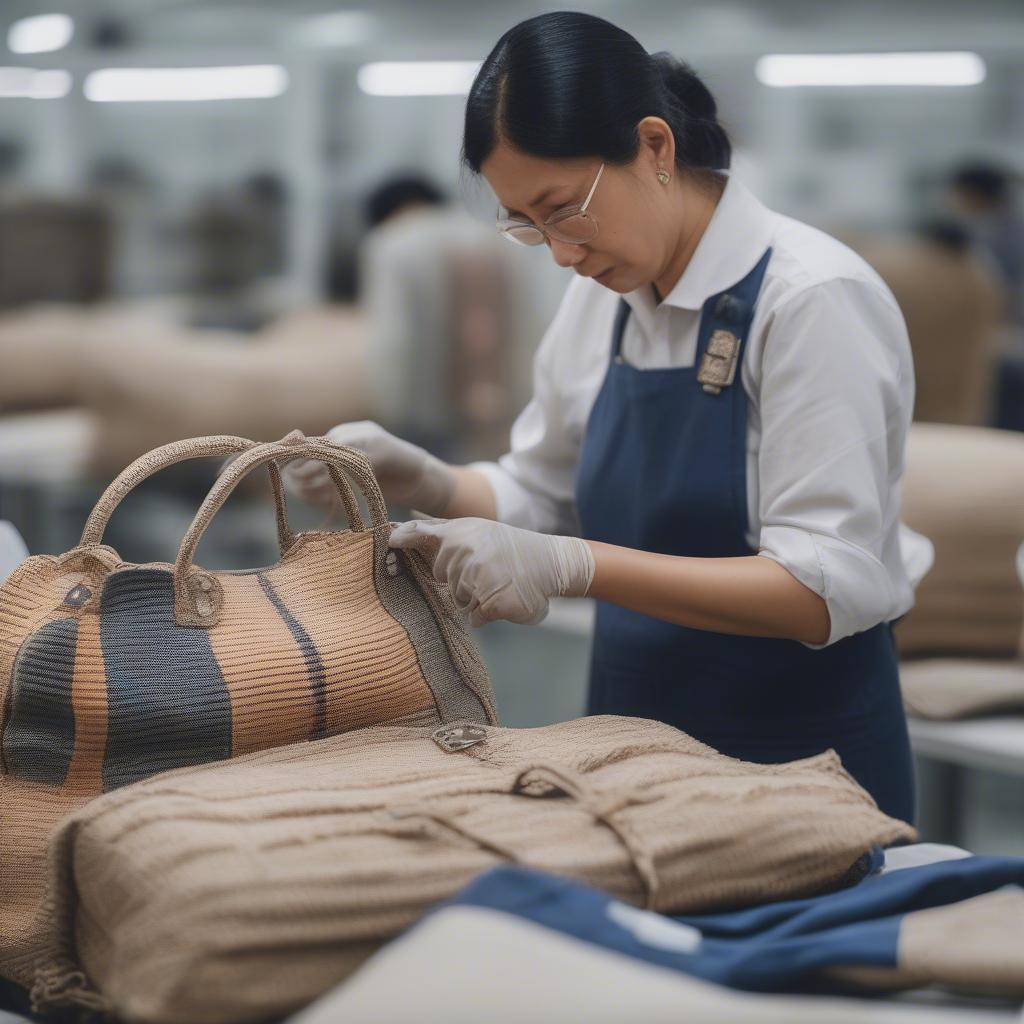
720 411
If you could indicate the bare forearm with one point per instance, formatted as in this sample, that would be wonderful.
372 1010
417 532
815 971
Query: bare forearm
748 595
472 497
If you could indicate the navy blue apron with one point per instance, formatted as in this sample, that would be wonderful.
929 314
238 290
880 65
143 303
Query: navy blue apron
663 468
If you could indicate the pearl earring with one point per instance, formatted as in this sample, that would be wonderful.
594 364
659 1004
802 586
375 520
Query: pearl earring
663 176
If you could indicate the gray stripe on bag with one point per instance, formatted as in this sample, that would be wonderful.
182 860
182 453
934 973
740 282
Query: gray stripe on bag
168 702
314 664
403 601
39 740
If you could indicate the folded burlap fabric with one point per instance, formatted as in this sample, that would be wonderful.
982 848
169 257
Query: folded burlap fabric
951 688
964 490
242 890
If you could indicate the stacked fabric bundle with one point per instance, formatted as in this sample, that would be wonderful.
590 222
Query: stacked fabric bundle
951 688
937 915
958 923
963 642
236 891
964 490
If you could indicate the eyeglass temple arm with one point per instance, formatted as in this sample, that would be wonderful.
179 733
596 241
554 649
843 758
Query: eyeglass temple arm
593 189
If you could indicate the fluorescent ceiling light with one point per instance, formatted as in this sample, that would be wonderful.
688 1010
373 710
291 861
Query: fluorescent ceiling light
40 34
343 28
138 85
866 69
28 83
418 77
51 84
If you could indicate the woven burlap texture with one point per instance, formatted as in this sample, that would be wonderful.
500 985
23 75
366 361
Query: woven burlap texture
241 891
964 490
951 688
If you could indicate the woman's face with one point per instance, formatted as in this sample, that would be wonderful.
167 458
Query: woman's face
638 219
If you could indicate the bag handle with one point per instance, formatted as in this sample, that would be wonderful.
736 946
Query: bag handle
197 448
197 593
163 457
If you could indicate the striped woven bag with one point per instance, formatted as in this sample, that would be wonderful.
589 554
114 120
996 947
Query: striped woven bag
111 671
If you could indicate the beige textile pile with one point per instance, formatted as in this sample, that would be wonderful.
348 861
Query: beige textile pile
964 490
240 891
952 307
144 381
951 688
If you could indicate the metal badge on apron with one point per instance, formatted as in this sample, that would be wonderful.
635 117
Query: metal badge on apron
718 367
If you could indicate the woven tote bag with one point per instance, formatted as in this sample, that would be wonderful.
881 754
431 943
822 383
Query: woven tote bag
111 672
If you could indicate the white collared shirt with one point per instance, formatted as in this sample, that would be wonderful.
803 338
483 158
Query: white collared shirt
829 383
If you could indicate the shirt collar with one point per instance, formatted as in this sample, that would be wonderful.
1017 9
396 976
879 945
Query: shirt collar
735 239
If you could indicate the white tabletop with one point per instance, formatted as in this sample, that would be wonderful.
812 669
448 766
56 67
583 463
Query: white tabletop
12 549
993 744
46 447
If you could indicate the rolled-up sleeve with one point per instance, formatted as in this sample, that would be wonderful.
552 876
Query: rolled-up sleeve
835 401
534 483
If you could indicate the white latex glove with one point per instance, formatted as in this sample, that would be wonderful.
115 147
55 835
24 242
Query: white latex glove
497 571
407 475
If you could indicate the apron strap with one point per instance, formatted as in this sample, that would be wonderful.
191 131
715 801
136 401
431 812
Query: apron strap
621 316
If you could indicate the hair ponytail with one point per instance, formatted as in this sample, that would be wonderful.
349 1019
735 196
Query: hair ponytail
695 122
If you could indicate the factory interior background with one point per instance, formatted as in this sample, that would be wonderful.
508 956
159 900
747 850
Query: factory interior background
205 249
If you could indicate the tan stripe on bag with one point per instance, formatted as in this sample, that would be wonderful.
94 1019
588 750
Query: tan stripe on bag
262 667
371 673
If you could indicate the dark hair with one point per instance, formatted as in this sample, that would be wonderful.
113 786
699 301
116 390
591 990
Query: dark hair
391 195
266 187
984 180
946 234
572 85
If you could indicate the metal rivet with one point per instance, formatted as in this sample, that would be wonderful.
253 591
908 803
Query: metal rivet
78 596
451 738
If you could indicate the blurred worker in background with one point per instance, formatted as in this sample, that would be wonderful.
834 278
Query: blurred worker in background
437 287
982 194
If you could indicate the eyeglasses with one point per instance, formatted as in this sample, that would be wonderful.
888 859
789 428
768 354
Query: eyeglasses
572 224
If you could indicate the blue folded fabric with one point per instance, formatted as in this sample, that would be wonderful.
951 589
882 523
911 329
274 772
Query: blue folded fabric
776 947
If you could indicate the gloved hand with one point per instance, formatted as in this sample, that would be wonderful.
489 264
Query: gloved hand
497 571
407 475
